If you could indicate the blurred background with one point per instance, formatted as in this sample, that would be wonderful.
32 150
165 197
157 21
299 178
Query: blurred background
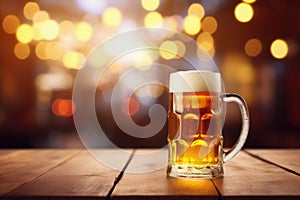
255 44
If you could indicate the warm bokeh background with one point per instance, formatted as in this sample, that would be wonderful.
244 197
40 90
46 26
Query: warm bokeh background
43 44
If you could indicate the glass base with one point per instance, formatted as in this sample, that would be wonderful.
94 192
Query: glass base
195 172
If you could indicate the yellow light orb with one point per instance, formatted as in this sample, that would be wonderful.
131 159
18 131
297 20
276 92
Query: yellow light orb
191 25
83 32
30 9
243 12
174 22
180 48
24 33
279 49
40 50
73 59
253 47
249 1
209 24
10 24
205 37
40 17
150 5
196 10
112 16
37 35
49 29
22 51
170 23
66 27
54 50
168 50
153 19
206 45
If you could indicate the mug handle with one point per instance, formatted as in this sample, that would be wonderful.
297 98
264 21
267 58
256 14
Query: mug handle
245 125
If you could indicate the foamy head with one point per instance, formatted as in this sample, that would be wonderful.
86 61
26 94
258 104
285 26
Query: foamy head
195 81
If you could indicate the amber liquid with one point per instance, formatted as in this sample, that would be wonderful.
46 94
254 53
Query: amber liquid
194 129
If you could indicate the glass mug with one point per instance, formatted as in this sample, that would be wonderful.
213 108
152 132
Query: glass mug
195 120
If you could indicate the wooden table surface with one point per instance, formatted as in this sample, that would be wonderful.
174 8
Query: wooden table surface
66 174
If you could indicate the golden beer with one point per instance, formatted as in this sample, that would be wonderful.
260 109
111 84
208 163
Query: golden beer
194 132
195 119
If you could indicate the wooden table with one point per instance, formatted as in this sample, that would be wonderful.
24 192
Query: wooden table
66 174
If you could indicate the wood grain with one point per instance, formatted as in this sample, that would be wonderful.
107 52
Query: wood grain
81 177
6 152
248 177
21 166
65 174
155 184
287 158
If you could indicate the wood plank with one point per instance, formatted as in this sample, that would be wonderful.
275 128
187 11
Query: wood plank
64 174
155 184
21 166
287 158
81 177
6 152
247 177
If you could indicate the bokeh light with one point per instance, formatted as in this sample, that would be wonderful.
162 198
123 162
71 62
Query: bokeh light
209 24
249 1
170 23
191 25
174 22
24 33
196 10
243 12
112 16
54 50
40 17
10 24
279 48
63 107
40 50
53 81
206 41
240 75
83 32
49 29
66 28
206 45
73 59
43 27
37 35
180 48
22 51
30 9
253 47
168 50
150 5
153 19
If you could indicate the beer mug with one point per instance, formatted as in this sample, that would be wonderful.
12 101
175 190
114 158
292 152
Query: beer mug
195 120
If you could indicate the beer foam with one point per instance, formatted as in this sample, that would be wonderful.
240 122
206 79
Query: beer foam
195 81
